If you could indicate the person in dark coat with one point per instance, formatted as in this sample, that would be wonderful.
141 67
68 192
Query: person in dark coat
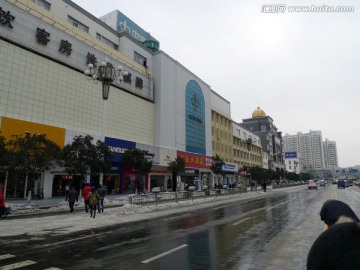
72 196
332 210
102 192
336 248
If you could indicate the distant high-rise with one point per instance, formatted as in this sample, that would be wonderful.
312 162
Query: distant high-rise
309 147
330 154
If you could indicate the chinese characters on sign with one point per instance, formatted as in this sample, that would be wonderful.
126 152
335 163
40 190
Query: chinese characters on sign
91 59
65 47
42 36
6 18
139 82
195 160
127 78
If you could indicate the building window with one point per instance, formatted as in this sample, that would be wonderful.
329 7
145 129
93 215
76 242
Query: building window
78 24
106 41
43 4
138 58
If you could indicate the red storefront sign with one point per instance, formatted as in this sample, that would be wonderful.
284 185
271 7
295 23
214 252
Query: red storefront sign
195 160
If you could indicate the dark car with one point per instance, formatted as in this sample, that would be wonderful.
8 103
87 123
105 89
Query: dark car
341 183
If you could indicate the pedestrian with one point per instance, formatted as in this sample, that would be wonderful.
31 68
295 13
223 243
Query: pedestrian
72 196
336 248
332 210
85 193
94 198
102 192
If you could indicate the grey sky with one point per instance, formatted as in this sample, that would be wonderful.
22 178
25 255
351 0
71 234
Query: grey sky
301 68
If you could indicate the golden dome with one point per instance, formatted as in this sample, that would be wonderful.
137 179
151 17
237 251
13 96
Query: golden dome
258 113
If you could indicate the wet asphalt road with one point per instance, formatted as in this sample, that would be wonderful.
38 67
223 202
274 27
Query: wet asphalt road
272 231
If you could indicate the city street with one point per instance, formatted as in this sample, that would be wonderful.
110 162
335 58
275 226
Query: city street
272 230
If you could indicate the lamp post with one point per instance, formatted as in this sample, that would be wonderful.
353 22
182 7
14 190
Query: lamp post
106 74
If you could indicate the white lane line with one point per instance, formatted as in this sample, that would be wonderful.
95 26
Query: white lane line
163 254
17 265
275 206
178 217
245 219
75 239
6 256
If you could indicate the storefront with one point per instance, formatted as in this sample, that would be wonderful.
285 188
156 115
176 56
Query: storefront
197 169
231 174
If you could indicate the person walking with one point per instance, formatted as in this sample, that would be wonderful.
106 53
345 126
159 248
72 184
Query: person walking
102 192
93 198
72 196
85 193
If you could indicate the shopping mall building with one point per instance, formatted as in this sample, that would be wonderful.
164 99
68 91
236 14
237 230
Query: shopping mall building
159 106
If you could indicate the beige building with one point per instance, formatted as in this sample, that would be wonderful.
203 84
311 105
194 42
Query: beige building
247 148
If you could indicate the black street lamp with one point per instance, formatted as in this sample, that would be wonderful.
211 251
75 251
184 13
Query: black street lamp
106 74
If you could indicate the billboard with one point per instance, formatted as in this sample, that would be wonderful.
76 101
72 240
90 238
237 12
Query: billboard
290 155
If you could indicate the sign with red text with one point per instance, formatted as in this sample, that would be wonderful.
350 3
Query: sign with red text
195 161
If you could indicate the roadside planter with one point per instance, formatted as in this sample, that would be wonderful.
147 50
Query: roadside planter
156 191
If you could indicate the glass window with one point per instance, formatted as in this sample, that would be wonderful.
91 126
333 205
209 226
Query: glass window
43 4
138 58
78 24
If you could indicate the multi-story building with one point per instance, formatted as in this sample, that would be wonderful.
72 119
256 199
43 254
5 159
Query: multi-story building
271 139
309 149
47 46
330 154
222 133
247 148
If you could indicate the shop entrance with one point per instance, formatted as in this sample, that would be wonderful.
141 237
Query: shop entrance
63 183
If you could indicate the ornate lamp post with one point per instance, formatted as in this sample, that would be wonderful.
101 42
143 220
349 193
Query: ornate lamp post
106 74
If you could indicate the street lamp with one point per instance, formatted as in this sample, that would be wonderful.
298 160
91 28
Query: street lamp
106 74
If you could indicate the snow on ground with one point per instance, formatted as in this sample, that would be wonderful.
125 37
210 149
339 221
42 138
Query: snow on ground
64 223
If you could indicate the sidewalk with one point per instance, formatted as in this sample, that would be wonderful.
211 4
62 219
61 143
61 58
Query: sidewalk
23 207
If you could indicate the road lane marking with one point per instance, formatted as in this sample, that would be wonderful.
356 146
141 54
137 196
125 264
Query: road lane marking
177 217
275 206
6 256
245 219
163 254
75 239
17 265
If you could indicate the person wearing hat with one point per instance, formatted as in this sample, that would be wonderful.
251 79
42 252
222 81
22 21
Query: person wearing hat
332 210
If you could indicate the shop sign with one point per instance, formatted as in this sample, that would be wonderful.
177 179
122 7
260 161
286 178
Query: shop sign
230 167
195 161
118 147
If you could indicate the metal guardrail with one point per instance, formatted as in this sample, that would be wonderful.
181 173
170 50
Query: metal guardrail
164 197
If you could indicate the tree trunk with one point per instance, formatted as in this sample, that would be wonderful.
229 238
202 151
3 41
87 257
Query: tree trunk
174 181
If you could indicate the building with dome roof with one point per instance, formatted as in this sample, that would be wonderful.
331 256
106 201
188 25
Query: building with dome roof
258 113
271 139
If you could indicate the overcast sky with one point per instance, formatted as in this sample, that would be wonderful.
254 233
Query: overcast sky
301 68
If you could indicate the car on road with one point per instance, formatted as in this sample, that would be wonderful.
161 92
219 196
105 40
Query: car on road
341 183
312 185
322 183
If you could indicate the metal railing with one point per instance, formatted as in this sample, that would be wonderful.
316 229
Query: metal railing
164 197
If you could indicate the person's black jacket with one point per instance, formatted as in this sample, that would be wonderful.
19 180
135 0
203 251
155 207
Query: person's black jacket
72 196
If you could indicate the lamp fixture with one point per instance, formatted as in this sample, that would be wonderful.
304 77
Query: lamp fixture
106 74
